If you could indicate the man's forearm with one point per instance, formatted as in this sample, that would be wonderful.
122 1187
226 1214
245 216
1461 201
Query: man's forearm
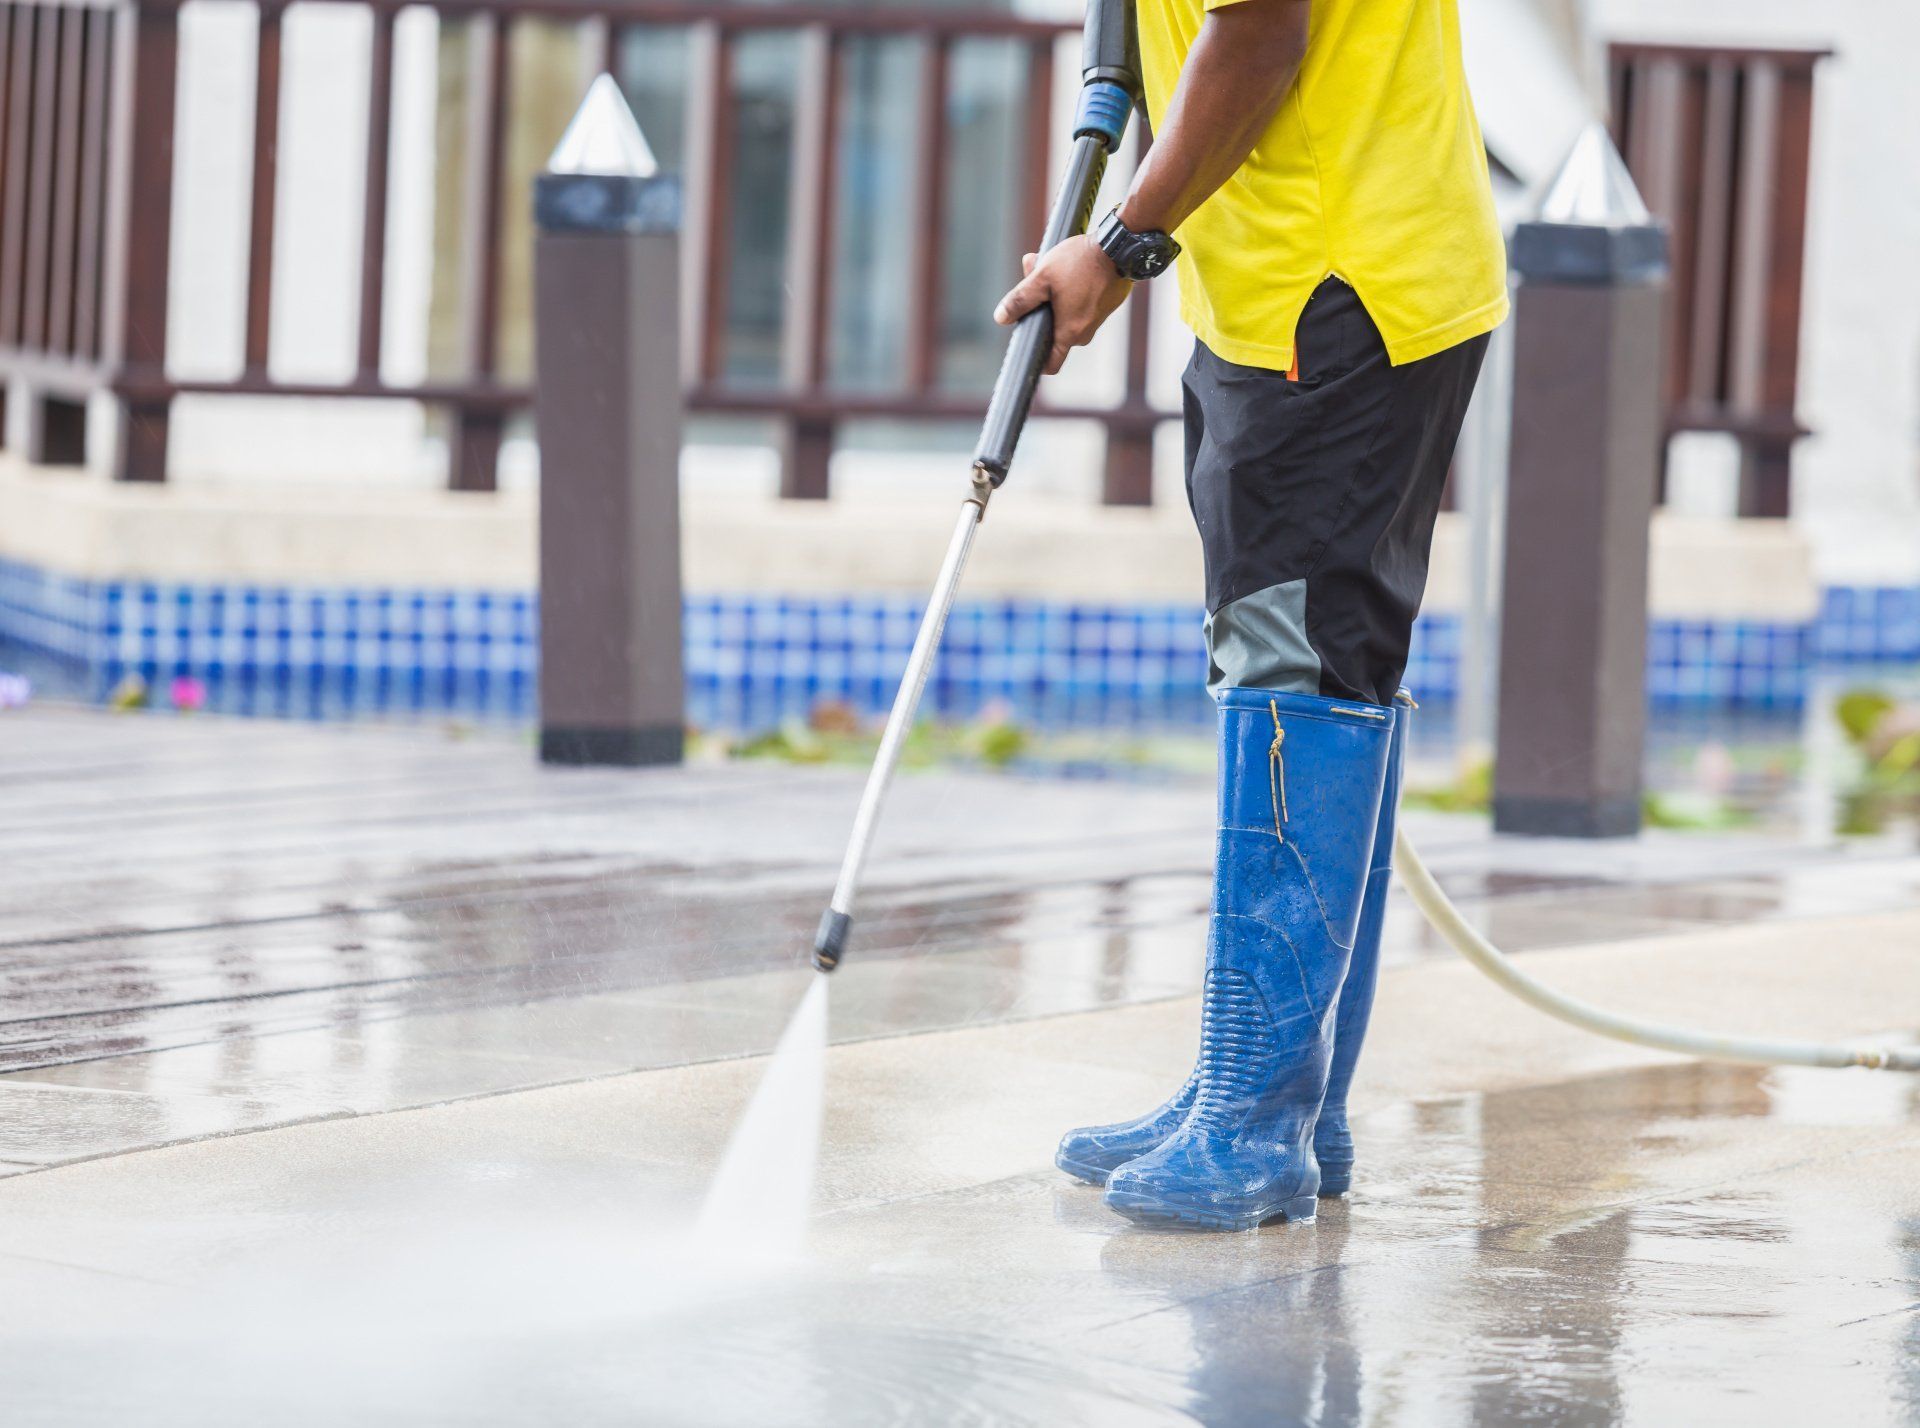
1235 79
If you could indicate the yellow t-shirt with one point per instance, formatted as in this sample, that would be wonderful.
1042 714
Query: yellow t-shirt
1373 171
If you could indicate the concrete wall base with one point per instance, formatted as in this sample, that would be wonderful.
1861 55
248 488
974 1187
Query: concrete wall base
343 534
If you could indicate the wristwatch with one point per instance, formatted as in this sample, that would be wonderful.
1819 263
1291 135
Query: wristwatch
1137 255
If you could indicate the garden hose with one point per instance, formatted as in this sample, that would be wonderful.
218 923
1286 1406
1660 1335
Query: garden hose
1447 920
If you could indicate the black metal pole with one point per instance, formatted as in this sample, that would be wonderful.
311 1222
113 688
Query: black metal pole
1109 92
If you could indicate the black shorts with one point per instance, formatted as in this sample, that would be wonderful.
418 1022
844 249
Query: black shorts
1315 493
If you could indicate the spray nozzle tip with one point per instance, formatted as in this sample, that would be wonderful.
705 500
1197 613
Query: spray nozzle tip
831 940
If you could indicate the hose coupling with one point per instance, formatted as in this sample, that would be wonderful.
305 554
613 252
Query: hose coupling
1104 110
983 489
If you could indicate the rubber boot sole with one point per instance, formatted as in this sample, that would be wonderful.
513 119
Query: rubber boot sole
1333 1183
1152 1210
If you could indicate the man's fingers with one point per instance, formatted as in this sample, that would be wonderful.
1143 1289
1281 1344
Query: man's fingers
1028 295
1057 359
1027 262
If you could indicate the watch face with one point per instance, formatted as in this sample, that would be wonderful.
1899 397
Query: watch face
1137 256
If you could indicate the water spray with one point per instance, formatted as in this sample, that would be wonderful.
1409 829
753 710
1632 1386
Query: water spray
1110 90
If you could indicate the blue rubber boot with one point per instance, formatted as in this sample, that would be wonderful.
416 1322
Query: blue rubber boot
1332 1140
1300 787
1092 1153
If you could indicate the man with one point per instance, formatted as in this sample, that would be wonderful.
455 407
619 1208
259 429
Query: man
1340 264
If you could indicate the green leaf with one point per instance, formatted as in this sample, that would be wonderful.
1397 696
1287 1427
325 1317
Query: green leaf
1860 712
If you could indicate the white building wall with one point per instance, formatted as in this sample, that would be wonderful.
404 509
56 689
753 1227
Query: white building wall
1856 481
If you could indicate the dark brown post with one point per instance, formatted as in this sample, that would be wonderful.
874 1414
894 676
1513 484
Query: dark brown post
139 230
607 353
1587 427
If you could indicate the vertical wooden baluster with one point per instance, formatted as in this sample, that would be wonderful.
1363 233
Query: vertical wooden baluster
1683 240
710 141
1706 360
1792 165
1753 236
66 177
6 109
1767 486
95 109
139 233
807 208
1657 169
828 216
808 440
479 428
1128 480
610 33
39 219
925 308
266 157
1620 104
696 226
1037 143
9 17
373 228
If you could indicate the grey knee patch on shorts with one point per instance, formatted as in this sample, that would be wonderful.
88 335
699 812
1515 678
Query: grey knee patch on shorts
1260 642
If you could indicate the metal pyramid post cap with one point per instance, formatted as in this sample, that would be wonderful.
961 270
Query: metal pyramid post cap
1593 188
604 138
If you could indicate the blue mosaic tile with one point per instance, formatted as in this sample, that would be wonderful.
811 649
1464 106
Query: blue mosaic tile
755 658
1869 624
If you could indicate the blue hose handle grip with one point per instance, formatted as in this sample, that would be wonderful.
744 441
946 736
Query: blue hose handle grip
1098 128
1104 110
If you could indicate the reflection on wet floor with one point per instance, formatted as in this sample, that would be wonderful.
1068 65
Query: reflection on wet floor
1685 1244
214 927
1619 1249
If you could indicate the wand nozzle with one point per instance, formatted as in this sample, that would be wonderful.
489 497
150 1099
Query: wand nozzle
831 940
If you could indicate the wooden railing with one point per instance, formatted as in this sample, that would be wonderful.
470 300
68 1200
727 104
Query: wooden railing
64 180
88 93
1719 142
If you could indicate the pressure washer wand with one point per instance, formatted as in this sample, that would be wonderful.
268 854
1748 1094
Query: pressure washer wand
1110 89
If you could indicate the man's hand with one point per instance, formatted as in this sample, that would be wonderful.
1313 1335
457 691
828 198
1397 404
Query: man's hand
1081 284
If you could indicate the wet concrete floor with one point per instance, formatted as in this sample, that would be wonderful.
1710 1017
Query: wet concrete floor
485 1027
218 925
1657 1245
